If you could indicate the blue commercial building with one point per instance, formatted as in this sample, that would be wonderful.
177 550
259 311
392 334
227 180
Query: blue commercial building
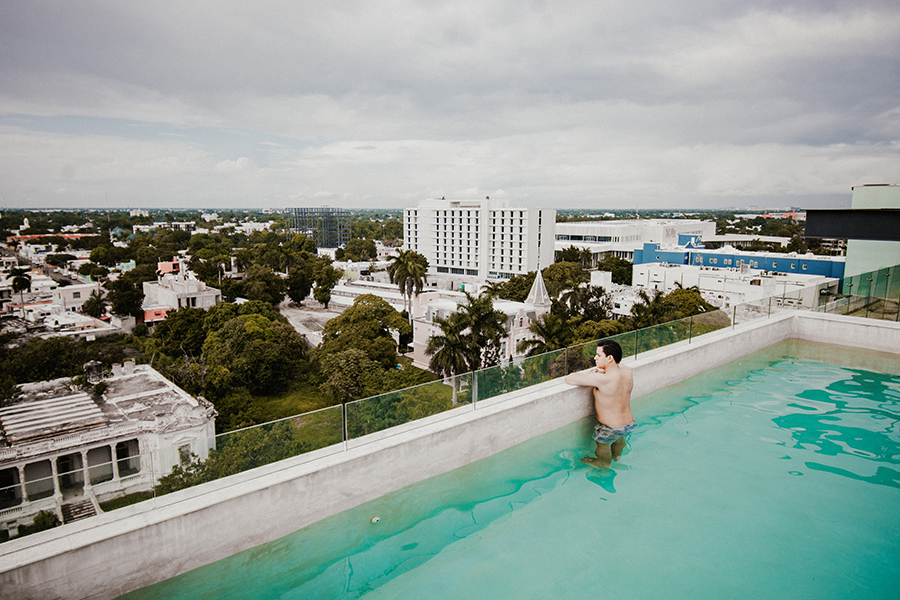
690 251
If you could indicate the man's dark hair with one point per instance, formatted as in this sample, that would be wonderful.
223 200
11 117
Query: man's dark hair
611 348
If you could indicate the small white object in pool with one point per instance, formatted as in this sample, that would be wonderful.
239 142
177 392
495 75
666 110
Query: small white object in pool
375 520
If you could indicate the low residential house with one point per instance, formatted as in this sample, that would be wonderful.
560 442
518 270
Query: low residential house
73 297
64 448
175 290
73 324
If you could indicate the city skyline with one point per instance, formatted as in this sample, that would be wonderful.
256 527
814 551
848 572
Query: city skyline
614 106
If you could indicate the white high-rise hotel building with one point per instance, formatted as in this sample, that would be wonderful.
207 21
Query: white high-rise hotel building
485 239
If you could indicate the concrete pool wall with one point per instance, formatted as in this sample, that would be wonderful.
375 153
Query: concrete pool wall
136 546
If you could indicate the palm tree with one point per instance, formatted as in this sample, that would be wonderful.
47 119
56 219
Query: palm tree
552 333
494 289
589 302
21 282
486 327
651 311
407 270
95 305
452 353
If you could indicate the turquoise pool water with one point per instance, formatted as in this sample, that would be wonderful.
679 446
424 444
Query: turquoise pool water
777 476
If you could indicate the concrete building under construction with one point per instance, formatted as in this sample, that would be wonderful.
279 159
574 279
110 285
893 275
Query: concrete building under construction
328 227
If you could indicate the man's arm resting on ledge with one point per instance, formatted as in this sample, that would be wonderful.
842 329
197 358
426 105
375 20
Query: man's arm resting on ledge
589 377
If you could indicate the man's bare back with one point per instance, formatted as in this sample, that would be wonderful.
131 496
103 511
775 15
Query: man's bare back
612 384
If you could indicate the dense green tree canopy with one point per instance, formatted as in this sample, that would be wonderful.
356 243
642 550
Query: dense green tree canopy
359 250
182 332
620 268
264 284
561 276
368 325
254 352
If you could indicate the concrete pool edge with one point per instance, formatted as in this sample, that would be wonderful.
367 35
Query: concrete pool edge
141 545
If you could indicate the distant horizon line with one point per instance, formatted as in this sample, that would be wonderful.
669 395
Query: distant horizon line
279 210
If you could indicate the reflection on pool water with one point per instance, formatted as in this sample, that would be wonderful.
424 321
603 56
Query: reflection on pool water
777 475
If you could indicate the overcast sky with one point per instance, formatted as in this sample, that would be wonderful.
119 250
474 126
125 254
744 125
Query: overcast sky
595 104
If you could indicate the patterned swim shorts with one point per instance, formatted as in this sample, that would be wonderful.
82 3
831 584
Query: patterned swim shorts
607 435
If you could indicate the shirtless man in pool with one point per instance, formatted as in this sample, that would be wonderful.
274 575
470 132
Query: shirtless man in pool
612 385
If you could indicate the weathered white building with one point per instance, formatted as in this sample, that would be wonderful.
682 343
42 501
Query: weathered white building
65 449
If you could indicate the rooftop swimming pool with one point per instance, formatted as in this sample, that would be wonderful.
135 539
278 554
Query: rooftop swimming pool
777 475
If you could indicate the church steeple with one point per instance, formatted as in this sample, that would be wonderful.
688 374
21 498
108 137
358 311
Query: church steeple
538 296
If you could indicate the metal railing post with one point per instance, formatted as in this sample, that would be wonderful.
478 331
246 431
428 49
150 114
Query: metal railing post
691 329
344 430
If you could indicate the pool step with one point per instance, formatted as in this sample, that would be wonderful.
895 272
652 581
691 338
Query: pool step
75 511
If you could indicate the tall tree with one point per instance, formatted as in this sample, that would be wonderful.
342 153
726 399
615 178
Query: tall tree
21 282
651 311
452 352
587 302
325 277
408 270
553 333
95 305
562 276
487 327
264 284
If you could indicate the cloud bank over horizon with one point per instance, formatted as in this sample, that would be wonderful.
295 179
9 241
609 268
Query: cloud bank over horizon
584 105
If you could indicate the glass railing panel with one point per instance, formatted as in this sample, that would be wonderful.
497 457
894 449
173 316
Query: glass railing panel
244 449
751 311
627 341
713 320
851 285
378 413
100 473
253 447
789 299
499 380
880 285
893 283
543 367
581 356
319 429
661 335
70 480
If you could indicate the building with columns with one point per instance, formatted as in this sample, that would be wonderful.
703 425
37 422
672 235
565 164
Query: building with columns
65 449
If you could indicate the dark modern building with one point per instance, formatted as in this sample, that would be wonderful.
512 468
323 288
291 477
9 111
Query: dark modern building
328 227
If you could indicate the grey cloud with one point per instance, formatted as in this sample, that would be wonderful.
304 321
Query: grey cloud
536 98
